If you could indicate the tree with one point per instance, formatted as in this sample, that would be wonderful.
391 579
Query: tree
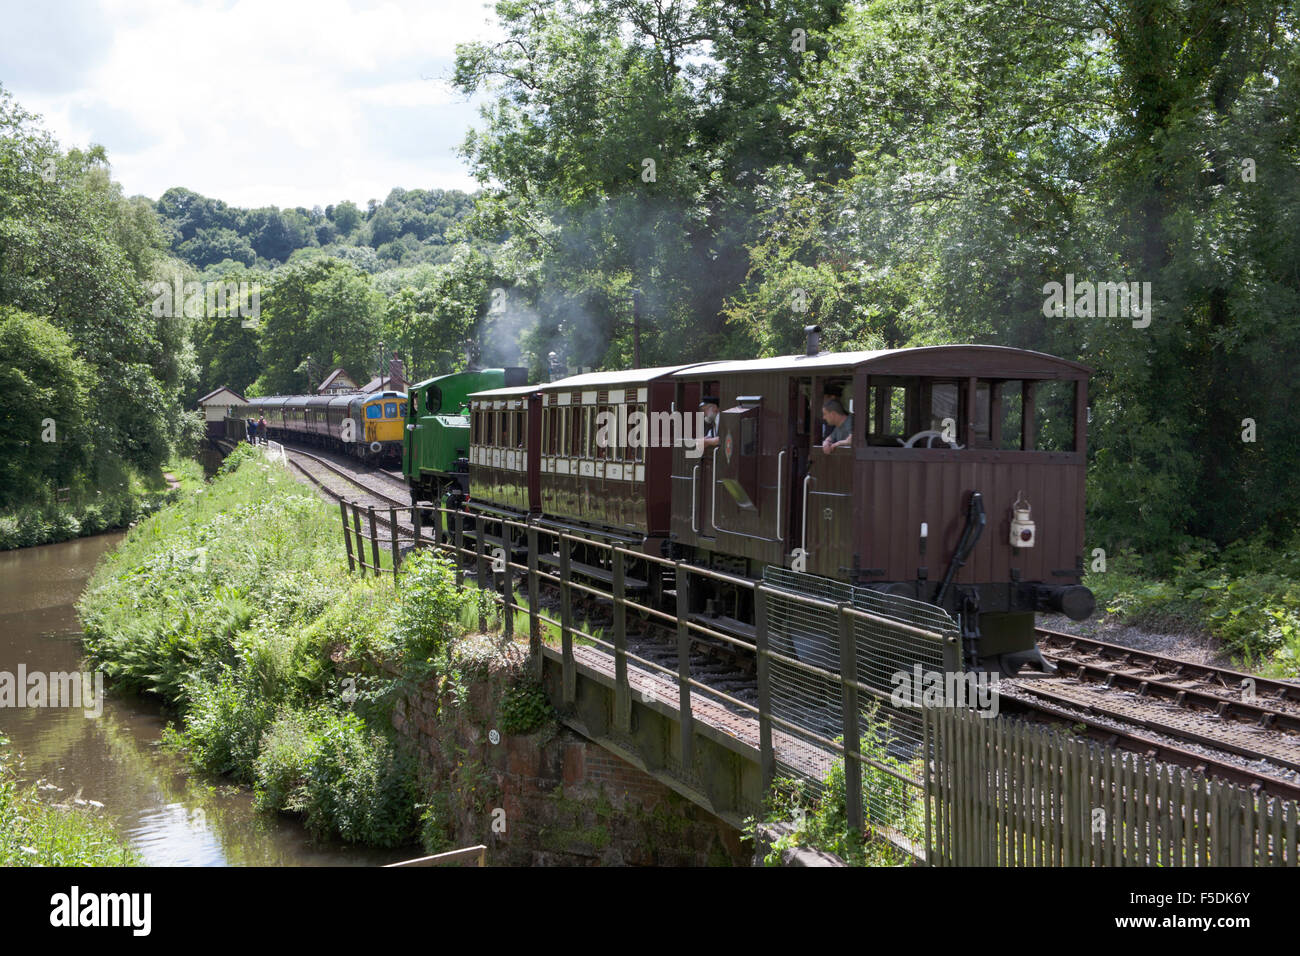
347 217
75 252
322 308
45 408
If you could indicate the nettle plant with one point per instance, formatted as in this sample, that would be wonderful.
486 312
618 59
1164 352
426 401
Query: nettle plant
428 617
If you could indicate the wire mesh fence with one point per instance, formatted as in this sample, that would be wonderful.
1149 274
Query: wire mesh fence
893 641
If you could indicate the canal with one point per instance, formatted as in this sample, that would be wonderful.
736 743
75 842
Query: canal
171 815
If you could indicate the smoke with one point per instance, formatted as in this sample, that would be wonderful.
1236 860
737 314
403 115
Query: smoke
682 263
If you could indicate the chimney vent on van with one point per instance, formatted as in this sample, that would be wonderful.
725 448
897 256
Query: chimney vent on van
814 333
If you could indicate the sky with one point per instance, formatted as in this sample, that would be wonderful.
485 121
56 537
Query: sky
256 102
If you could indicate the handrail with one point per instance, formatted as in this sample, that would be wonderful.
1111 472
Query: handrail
695 476
804 548
713 512
478 853
780 483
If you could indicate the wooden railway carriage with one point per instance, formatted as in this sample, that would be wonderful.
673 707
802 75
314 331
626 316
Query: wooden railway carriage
567 451
608 481
505 427
963 485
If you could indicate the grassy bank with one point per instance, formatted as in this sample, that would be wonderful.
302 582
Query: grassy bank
125 497
235 607
34 832
1247 596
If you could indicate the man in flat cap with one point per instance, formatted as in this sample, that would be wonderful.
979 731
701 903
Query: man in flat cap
709 406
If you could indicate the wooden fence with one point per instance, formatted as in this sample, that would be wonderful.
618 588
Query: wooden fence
1007 793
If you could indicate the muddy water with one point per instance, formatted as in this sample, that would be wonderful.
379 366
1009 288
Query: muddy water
170 815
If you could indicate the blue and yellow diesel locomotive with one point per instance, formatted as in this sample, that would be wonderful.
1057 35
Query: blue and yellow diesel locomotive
368 426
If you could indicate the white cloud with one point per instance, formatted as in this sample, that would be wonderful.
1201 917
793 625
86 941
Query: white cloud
292 102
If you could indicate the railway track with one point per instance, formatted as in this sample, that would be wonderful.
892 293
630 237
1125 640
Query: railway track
377 492
1235 725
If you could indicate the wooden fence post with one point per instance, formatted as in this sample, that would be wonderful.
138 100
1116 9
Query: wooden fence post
508 586
392 530
569 671
684 669
480 569
347 535
622 692
374 537
361 541
460 548
767 758
849 701
534 586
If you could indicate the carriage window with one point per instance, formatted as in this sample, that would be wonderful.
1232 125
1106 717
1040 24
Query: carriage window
982 437
490 437
521 429
945 406
1010 415
1054 416
639 451
604 437
477 424
575 432
887 416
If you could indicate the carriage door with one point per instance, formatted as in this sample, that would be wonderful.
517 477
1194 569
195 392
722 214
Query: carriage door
826 492
705 494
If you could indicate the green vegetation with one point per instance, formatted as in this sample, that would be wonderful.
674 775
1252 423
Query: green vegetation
129 498
1246 595
34 832
821 818
235 607
91 382
410 227
524 708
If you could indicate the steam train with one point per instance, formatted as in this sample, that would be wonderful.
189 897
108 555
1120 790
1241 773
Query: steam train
961 485
425 429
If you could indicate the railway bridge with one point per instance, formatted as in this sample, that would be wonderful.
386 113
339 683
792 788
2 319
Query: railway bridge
806 698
